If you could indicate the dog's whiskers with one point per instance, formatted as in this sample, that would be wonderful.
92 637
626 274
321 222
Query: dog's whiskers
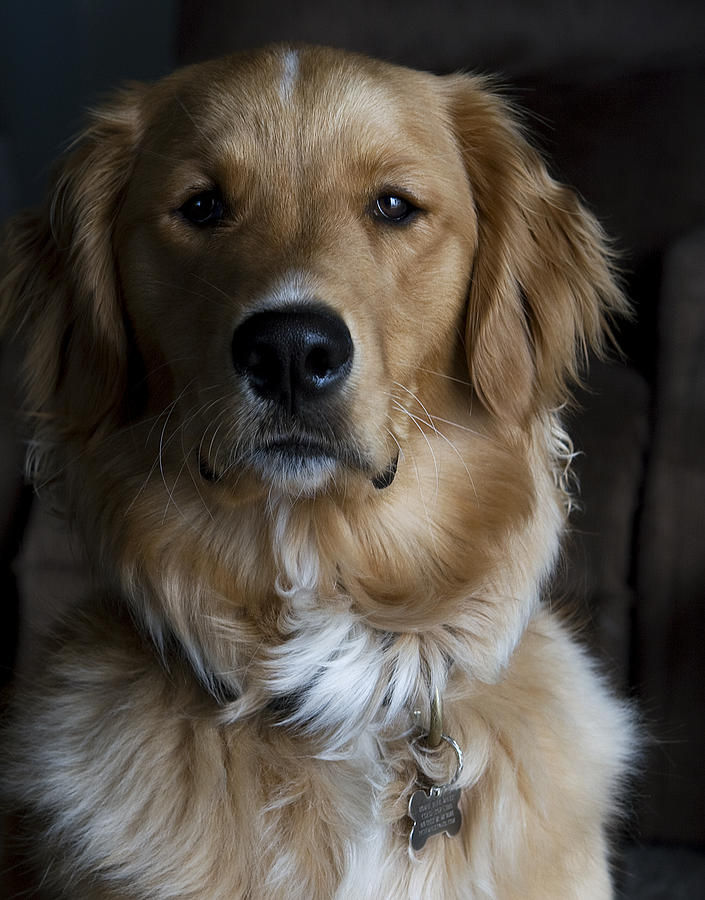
411 458
416 398
215 288
473 431
169 490
167 411
447 377
394 438
163 446
455 450
418 422
200 294
169 408
187 456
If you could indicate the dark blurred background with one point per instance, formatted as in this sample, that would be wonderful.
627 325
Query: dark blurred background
615 96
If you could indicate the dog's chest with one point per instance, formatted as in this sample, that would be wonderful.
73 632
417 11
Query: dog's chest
183 806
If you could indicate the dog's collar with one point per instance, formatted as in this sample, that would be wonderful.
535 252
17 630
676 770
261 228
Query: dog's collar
281 706
171 648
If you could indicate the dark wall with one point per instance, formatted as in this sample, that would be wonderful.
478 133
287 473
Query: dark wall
517 37
57 57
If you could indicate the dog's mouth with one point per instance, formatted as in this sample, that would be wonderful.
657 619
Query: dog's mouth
303 448
300 463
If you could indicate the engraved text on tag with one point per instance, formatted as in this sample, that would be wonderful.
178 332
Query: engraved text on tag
433 813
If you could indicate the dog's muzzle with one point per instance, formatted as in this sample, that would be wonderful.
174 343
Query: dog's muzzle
296 357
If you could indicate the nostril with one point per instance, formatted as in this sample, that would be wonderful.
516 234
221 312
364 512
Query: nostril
262 365
256 359
326 355
325 361
317 363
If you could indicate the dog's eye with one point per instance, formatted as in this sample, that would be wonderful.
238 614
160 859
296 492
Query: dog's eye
205 208
393 208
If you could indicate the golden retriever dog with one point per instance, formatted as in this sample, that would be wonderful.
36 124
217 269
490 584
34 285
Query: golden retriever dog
298 328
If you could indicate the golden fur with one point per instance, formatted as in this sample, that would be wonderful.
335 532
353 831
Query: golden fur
230 716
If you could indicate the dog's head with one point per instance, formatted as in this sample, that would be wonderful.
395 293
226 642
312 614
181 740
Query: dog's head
295 325
289 255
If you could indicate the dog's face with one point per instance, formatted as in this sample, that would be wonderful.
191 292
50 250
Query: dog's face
294 251
301 272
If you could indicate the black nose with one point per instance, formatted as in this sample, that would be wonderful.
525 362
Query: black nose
295 355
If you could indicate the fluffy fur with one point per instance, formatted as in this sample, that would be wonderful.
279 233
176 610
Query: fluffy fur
231 714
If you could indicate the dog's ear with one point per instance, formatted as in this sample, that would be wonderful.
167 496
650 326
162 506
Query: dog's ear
59 293
543 289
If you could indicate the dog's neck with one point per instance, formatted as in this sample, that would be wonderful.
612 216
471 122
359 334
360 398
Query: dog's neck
324 663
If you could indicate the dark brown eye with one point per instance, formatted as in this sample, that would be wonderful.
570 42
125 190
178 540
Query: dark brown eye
203 209
393 208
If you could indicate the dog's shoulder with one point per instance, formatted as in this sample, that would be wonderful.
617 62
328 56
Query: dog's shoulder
568 738
101 745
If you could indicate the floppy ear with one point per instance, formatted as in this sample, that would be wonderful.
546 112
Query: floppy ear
58 291
542 289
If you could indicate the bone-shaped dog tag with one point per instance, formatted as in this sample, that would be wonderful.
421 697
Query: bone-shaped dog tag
433 813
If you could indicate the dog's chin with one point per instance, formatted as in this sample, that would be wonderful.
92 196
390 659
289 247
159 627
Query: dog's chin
296 470
293 468
285 468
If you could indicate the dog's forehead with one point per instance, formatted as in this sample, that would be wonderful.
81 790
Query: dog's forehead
309 99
